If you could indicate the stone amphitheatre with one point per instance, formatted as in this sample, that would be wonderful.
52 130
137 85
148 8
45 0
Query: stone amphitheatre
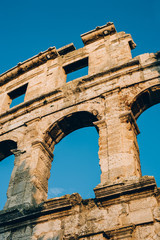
117 89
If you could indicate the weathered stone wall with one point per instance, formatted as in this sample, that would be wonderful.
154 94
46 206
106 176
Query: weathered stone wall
117 89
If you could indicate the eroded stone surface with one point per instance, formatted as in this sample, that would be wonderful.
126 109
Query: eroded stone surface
117 89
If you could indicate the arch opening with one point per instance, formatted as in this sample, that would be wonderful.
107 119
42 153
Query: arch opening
145 100
6 167
75 167
68 124
76 163
6 148
148 141
146 109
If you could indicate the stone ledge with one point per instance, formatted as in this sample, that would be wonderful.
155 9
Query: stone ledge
20 215
42 57
117 233
98 33
120 233
64 201
123 188
66 49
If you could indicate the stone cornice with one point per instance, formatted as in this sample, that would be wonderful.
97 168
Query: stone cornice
23 214
98 33
120 233
107 192
29 64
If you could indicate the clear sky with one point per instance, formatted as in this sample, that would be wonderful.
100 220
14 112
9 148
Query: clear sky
29 27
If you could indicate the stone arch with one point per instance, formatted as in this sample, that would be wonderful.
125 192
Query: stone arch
6 148
145 99
67 124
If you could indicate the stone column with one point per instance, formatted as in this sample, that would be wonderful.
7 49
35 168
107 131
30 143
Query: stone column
29 179
123 152
17 184
103 150
118 148
40 166
129 132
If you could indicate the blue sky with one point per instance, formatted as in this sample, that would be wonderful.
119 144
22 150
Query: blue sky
29 27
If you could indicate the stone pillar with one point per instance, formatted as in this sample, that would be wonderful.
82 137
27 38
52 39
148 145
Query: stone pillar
123 152
17 184
103 150
40 166
29 179
118 148
119 152
129 132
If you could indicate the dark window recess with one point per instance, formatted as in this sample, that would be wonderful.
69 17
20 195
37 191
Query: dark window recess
76 69
17 96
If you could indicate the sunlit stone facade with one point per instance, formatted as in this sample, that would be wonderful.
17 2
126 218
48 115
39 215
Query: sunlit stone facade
117 89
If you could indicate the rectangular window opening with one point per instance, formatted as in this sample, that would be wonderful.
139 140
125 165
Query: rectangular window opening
76 69
17 95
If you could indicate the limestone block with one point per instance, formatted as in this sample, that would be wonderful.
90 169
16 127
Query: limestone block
146 232
43 228
143 203
157 229
141 216
156 213
22 233
19 187
5 236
